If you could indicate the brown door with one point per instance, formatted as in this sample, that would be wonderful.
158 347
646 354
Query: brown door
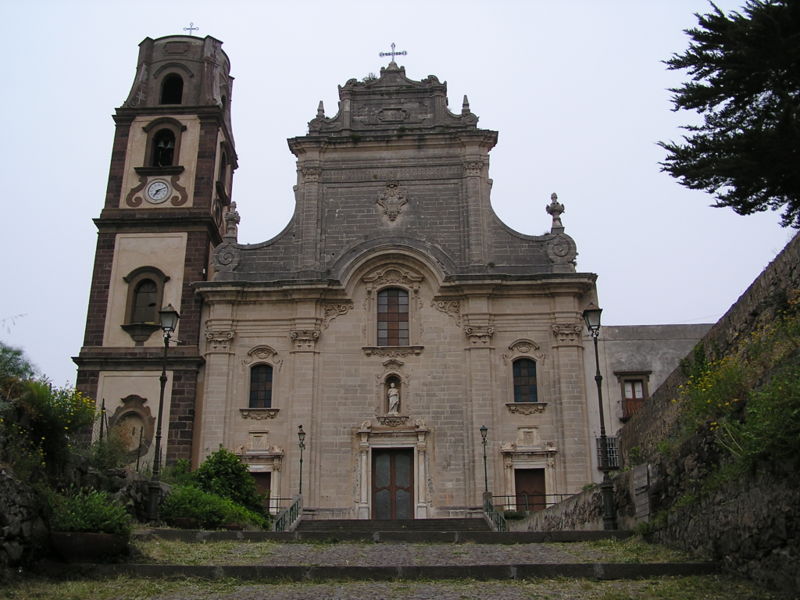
263 481
529 484
393 484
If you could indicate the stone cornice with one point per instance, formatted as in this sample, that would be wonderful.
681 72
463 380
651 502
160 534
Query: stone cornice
102 362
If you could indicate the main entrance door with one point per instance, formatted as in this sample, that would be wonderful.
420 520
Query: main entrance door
529 484
393 483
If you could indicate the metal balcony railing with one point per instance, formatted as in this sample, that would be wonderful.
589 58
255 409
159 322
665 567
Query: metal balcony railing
528 502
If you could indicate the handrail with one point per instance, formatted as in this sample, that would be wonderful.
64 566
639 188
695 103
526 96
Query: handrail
288 517
526 502
496 518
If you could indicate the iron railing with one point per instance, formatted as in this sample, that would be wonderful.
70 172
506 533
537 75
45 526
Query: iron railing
495 517
612 446
528 502
289 516
276 504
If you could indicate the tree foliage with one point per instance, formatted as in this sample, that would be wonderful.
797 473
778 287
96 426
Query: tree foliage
224 474
744 73
37 419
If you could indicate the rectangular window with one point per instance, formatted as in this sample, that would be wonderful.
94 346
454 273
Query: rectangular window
393 317
634 392
524 373
261 386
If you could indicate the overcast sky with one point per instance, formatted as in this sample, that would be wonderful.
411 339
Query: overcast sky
576 89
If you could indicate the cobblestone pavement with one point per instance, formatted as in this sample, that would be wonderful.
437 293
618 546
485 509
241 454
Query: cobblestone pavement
376 555
693 588
365 555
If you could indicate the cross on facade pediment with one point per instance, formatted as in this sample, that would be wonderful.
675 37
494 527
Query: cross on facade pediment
393 53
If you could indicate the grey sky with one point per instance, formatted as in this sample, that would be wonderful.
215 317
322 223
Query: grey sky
575 88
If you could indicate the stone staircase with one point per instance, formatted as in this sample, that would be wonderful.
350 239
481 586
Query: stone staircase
371 526
425 549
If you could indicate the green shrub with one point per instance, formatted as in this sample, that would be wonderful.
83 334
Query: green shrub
179 474
108 453
224 474
37 422
771 425
89 510
209 510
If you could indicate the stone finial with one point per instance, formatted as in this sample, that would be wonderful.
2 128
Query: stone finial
321 110
465 106
232 219
554 209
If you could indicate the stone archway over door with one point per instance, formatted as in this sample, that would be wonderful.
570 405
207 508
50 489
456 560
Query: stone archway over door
393 483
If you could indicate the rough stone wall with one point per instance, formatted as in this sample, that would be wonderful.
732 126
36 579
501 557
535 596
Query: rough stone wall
22 530
657 420
751 523
584 511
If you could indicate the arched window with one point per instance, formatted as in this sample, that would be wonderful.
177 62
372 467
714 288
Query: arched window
163 150
525 380
172 89
393 317
261 386
144 299
145 302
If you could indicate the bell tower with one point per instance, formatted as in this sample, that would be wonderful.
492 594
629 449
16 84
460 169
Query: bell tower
169 184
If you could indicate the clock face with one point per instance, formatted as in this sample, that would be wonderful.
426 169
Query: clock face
158 191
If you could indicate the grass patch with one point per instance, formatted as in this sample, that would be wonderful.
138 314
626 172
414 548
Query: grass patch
632 550
202 553
128 588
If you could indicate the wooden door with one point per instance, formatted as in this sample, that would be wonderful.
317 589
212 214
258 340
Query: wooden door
393 483
529 485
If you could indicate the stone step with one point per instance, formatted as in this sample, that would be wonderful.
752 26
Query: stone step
362 525
305 573
443 537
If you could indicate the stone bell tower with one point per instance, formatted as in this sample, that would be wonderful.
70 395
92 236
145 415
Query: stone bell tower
169 184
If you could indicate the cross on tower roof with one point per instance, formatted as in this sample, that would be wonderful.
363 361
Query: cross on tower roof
393 53
191 28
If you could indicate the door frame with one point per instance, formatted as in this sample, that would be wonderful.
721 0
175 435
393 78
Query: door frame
408 451
407 436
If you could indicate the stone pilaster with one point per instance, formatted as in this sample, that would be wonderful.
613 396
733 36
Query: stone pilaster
305 407
214 418
571 406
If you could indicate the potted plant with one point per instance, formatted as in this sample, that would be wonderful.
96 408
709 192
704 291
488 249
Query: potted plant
88 526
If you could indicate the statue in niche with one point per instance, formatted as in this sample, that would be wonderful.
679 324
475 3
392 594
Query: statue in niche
394 399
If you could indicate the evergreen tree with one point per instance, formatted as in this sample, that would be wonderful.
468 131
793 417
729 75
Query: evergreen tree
744 73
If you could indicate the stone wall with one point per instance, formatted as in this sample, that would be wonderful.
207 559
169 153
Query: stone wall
750 523
584 511
23 532
766 296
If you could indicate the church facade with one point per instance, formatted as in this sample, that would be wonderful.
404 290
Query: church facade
391 320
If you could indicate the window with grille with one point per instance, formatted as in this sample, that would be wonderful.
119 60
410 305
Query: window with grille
525 380
612 446
261 386
393 317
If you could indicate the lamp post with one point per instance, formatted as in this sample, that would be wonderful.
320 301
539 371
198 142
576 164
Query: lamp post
301 437
592 317
168 318
484 430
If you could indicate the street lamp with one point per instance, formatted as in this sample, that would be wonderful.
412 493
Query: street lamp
168 318
484 430
592 317
301 437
